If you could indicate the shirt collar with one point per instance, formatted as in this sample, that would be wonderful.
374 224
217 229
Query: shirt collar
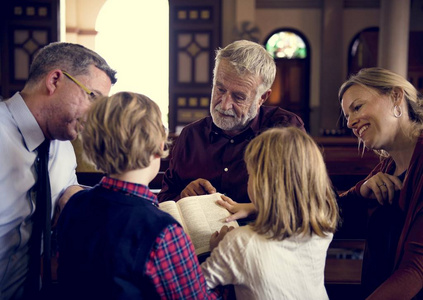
31 132
129 188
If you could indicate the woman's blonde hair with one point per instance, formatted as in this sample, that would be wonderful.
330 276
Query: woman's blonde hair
122 132
384 82
290 186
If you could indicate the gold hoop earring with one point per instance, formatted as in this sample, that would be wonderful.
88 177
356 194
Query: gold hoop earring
397 111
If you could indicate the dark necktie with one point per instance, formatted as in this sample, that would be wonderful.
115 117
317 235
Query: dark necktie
41 224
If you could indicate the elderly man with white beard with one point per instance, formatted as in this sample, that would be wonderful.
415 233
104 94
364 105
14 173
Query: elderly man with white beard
207 156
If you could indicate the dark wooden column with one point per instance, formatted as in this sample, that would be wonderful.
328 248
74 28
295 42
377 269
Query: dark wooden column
331 59
25 27
194 35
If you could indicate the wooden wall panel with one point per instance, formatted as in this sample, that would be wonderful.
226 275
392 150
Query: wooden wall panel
25 27
194 35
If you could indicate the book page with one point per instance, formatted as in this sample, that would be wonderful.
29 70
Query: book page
173 209
203 216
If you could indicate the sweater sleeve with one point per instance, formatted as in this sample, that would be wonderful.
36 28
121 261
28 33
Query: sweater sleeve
173 267
224 266
353 213
172 185
354 209
407 280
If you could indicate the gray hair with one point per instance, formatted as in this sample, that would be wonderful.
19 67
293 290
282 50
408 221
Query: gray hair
249 57
73 58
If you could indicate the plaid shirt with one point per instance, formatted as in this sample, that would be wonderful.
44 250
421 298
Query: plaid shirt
172 265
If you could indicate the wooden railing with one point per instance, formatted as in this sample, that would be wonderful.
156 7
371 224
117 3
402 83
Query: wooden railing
345 164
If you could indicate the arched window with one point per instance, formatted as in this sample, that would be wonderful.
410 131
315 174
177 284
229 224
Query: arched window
286 44
133 36
291 88
363 50
363 53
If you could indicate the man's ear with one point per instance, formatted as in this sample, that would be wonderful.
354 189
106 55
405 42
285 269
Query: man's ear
398 95
52 80
264 96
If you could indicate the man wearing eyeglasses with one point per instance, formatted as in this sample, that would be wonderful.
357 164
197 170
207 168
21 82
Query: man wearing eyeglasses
63 80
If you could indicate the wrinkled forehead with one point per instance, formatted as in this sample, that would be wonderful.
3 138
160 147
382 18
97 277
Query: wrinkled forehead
231 67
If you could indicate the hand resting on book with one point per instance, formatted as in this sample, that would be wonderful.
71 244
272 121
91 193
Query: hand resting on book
198 187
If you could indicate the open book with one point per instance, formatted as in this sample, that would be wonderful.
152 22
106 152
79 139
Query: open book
200 216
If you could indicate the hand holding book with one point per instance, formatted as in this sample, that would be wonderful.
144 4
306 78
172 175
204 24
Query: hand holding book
200 216
197 187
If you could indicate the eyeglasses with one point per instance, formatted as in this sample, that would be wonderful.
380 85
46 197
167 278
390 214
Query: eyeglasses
86 90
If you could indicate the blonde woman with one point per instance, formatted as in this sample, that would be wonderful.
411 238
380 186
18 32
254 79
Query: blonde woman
281 255
385 112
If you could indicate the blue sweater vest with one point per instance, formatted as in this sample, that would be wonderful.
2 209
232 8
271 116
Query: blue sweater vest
104 239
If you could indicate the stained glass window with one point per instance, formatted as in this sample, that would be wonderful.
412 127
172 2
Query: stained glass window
286 44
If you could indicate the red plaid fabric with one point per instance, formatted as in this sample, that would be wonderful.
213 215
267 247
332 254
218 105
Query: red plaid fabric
172 266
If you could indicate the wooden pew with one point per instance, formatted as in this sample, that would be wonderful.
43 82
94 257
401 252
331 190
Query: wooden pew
343 269
346 166
343 262
345 163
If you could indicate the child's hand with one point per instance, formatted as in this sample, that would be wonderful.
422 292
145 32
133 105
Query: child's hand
218 236
238 210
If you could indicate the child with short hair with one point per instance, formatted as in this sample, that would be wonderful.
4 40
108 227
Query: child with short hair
282 254
114 242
